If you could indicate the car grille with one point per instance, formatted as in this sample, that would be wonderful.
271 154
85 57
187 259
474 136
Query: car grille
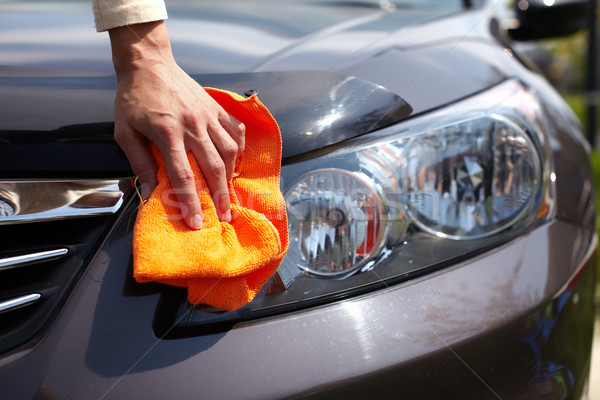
41 257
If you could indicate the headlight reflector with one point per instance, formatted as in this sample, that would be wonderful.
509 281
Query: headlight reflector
471 179
336 221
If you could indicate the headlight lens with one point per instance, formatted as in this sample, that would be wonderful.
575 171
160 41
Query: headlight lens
337 221
471 179
407 199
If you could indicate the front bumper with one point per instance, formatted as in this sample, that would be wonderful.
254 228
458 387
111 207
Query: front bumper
515 322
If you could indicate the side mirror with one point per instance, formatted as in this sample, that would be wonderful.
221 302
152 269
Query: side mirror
540 19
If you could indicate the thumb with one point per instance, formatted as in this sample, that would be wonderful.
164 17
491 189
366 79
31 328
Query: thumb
137 151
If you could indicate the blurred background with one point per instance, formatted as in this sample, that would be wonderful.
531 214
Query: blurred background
570 64
564 62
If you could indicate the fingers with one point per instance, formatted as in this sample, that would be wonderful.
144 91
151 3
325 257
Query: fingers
138 153
184 185
226 148
140 158
210 149
177 115
235 129
216 147
215 172
226 145
237 132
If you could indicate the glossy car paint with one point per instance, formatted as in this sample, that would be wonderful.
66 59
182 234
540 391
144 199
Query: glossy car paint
80 83
455 329
514 322
299 99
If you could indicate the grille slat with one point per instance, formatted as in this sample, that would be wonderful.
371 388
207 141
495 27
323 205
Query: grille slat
18 302
31 258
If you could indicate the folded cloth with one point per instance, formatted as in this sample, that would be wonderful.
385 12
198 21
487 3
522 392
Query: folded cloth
222 264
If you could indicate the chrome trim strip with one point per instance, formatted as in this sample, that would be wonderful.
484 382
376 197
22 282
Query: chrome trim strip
35 201
31 258
19 302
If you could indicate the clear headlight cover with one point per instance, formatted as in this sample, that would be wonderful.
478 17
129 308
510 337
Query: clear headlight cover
456 176
470 179
412 197
335 221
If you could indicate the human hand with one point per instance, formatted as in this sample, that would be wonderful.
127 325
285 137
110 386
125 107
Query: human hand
158 102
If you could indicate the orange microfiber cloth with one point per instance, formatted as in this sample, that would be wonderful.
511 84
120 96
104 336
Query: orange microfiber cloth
222 264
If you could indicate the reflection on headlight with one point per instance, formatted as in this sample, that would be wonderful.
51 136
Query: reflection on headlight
336 220
471 179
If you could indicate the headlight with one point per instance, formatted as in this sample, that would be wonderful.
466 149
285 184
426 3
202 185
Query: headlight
408 199
470 179
337 221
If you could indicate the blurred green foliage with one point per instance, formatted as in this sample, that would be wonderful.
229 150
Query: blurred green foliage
566 67
567 72
596 167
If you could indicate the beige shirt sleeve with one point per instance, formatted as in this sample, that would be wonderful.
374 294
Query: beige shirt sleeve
113 13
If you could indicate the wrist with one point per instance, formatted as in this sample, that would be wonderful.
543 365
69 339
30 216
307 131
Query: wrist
139 46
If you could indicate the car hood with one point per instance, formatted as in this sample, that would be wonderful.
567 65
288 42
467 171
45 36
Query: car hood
56 71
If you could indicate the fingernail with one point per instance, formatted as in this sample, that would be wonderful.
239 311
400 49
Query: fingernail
227 216
197 221
238 165
146 192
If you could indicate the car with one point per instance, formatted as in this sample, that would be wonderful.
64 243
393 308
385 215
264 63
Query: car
439 193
